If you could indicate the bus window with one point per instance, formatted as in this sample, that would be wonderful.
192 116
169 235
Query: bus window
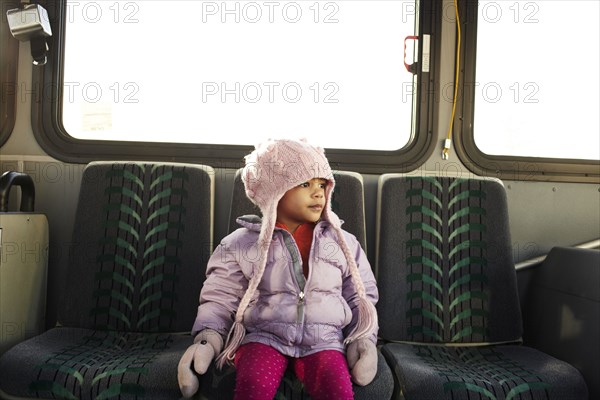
233 72
537 72
530 90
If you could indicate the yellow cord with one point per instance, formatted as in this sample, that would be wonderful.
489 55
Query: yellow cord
448 141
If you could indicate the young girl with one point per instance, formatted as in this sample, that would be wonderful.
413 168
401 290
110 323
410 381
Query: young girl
292 288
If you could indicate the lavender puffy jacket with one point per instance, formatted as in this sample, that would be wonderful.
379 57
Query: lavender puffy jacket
296 316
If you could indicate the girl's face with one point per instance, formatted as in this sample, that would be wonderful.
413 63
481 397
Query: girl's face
304 203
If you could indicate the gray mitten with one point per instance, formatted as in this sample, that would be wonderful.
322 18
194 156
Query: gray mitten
362 361
207 345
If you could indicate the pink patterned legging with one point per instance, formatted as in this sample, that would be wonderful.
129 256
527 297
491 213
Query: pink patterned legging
259 369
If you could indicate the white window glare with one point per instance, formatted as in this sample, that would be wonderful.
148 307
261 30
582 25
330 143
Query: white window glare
536 90
235 72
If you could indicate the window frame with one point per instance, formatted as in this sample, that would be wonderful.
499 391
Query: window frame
517 168
9 59
53 138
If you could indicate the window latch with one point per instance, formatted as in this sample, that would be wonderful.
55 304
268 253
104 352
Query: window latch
414 67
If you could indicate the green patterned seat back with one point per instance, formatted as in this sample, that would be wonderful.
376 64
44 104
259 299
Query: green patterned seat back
445 270
142 237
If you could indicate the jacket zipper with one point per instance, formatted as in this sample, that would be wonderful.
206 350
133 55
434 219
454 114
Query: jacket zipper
298 276
301 308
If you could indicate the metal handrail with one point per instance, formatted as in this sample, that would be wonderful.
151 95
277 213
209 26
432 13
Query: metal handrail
593 244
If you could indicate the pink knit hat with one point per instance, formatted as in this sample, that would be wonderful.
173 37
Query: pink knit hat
272 169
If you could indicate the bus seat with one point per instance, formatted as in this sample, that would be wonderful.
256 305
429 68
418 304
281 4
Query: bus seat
348 203
240 203
141 240
449 309
562 308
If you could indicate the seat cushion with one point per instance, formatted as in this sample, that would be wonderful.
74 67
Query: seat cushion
490 372
220 384
73 363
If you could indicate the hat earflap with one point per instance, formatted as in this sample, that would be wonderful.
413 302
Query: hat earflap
367 313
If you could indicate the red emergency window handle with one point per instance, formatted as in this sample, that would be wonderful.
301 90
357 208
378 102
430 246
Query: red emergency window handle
412 68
